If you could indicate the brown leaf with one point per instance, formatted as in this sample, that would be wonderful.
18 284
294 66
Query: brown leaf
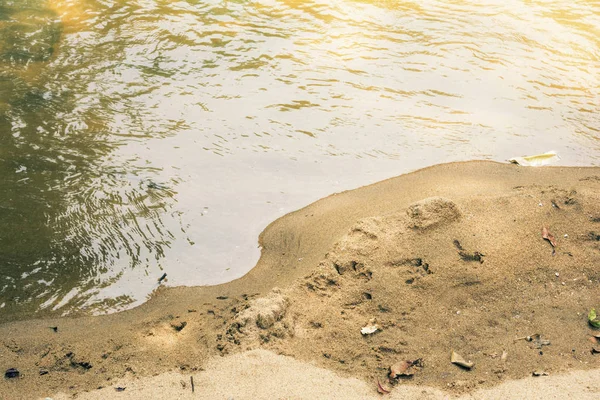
381 389
548 236
402 368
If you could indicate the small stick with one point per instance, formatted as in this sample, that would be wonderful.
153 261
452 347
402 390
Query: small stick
380 388
162 278
192 382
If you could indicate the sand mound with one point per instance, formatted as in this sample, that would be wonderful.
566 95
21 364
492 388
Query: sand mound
433 282
432 212
261 319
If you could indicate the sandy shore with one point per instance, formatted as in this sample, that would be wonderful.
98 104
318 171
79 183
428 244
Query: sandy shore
449 258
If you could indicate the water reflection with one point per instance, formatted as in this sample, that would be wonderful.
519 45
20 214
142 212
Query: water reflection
149 135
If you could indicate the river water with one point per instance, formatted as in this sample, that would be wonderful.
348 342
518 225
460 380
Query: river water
139 137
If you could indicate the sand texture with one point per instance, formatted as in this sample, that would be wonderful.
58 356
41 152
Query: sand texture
449 258
262 375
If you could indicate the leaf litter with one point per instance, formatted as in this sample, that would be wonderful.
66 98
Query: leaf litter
382 389
549 237
404 369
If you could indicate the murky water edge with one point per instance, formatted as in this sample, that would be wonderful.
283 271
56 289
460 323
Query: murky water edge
142 137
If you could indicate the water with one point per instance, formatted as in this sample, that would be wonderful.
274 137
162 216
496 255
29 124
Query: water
142 136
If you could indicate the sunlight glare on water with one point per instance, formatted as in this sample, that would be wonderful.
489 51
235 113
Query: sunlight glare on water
146 136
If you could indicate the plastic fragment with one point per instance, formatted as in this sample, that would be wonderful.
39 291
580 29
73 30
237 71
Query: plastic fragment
457 359
369 330
537 160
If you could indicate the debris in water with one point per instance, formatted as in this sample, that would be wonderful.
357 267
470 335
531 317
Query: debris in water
537 160
162 278
457 359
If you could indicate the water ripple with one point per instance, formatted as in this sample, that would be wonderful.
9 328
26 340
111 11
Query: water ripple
136 135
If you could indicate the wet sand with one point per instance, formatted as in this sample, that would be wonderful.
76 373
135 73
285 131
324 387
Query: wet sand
466 271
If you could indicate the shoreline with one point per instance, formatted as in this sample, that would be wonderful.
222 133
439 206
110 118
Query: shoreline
184 327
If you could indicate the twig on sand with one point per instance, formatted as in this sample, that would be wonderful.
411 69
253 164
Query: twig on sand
381 389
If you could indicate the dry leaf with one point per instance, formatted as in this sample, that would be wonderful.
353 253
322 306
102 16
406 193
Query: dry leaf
457 359
403 368
381 389
548 236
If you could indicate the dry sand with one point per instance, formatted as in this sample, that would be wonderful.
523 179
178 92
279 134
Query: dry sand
446 258
259 374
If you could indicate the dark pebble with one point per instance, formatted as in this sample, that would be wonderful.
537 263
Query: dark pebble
12 373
